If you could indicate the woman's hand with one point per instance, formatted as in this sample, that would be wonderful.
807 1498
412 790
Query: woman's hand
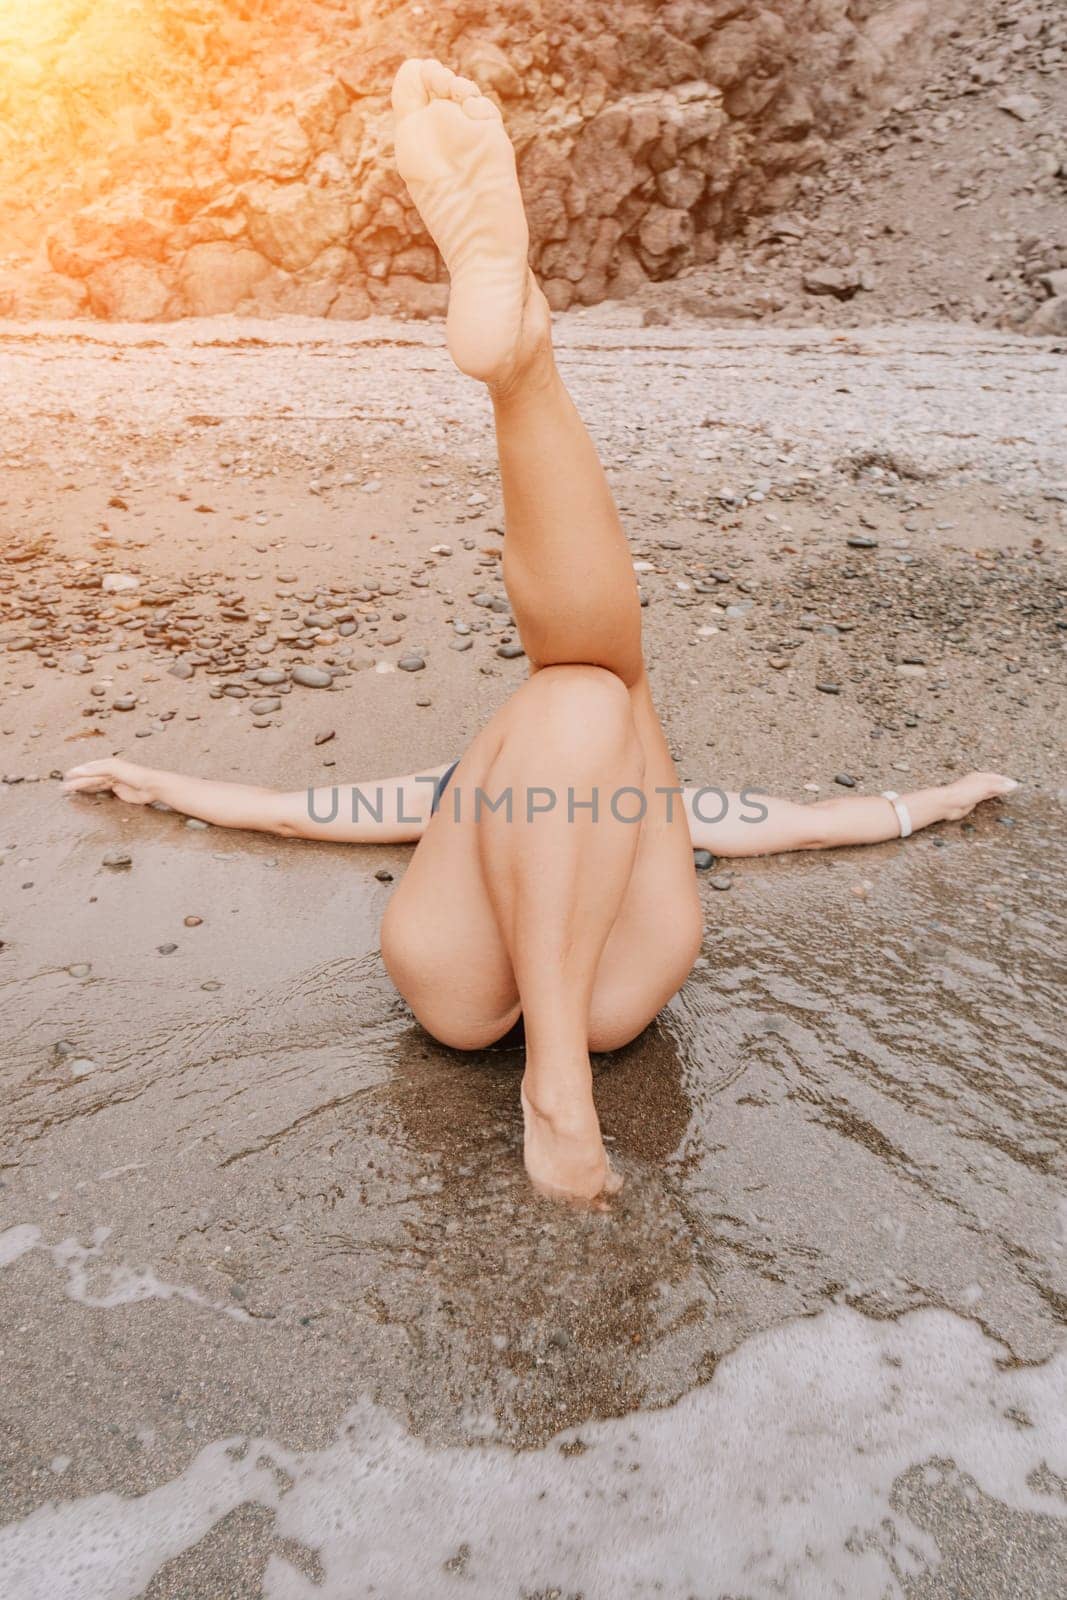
138 785
966 793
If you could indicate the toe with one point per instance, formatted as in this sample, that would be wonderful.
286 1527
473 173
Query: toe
480 109
409 88
463 88
438 79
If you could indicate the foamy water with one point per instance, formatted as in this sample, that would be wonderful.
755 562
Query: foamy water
123 1284
775 1478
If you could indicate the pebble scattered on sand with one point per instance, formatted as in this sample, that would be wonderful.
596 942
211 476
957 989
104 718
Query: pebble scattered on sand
311 677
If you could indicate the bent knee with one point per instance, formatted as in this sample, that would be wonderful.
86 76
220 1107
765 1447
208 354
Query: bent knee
458 1032
580 690
584 705
628 998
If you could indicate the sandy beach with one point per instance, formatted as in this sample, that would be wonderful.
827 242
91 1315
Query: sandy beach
279 1313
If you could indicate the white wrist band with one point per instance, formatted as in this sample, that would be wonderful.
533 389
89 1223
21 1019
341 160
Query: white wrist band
901 810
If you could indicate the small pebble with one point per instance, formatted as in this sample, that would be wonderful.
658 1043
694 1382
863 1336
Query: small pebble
383 875
844 780
193 922
166 949
703 859
311 677
118 859
723 881
411 663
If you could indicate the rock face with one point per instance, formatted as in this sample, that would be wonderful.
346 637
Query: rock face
226 156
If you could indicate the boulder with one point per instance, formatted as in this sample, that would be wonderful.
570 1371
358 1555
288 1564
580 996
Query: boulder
351 304
491 69
318 107
292 223
216 278
1051 318
1054 283
269 147
603 165
665 231
840 282
128 291
680 187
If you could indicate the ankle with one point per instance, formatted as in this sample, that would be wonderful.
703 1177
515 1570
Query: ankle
531 373
568 1111
532 367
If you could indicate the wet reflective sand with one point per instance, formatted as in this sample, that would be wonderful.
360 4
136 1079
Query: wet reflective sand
254 1204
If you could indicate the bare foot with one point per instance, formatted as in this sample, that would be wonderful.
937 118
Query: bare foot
459 166
968 792
565 1157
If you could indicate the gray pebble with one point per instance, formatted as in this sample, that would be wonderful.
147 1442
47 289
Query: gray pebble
723 881
510 651
703 859
263 708
118 858
828 688
861 541
166 949
383 875
844 780
411 663
311 677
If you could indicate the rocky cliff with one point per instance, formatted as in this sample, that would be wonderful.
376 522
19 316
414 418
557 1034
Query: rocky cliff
161 159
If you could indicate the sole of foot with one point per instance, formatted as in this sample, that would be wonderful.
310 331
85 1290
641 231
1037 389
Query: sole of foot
571 1166
459 166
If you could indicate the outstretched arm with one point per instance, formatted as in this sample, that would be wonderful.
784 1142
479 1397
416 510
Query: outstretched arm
752 824
382 811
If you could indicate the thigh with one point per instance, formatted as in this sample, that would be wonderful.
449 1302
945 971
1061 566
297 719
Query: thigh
440 941
658 932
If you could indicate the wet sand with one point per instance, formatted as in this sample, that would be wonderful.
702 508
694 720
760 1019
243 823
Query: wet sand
245 1198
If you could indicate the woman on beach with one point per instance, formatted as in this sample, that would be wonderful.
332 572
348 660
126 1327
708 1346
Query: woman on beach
574 902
